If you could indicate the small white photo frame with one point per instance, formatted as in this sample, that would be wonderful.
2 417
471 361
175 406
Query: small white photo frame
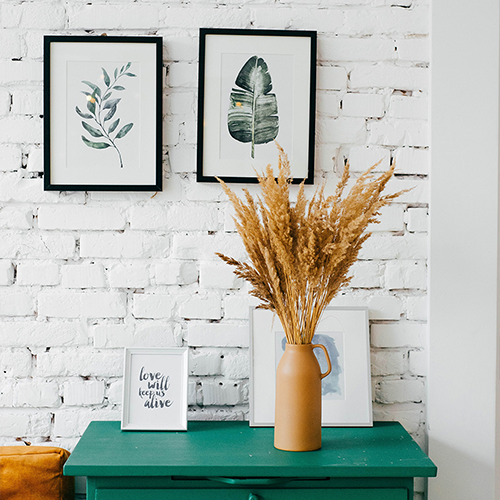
346 392
155 389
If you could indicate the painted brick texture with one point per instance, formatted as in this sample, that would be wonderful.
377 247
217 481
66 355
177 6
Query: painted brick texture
83 275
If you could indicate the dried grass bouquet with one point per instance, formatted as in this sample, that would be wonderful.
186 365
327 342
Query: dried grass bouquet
300 254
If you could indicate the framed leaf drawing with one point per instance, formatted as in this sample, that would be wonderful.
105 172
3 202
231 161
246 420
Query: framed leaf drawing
255 88
102 113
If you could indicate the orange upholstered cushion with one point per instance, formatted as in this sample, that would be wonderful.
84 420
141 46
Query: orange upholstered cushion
34 473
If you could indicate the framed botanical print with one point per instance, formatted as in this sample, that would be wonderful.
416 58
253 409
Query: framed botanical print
346 392
102 113
255 88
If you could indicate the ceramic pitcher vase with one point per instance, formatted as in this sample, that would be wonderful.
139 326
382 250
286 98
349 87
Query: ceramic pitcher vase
297 424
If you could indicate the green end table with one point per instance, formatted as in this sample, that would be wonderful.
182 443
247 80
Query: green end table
232 461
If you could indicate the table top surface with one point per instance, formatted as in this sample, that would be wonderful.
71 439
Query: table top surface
234 449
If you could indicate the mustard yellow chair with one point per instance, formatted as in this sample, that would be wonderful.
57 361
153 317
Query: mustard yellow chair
34 473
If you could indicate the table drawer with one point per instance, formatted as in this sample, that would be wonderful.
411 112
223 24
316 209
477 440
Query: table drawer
253 494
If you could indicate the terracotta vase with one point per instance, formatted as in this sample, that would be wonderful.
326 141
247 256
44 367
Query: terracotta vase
297 424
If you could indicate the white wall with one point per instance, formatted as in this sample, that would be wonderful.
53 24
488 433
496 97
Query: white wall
464 248
73 294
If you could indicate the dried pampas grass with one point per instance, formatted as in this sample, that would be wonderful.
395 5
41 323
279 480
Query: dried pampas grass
300 254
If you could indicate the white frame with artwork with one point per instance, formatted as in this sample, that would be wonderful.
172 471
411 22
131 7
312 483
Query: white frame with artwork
155 386
347 399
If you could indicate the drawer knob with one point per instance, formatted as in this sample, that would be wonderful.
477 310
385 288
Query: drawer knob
253 497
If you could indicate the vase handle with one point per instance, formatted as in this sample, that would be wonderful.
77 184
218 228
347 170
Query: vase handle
323 375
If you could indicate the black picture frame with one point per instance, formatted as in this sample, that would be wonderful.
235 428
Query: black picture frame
83 119
289 59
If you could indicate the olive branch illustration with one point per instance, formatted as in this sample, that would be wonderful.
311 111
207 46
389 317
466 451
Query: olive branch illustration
102 108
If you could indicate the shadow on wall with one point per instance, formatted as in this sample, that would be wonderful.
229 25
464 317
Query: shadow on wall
452 485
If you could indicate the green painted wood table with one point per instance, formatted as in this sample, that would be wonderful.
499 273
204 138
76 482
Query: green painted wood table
232 461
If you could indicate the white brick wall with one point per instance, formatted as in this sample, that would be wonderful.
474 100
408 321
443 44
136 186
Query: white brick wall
128 274
79 217
77 392
10 154
6 272
152 306
83 275
37 273
64 304
364 105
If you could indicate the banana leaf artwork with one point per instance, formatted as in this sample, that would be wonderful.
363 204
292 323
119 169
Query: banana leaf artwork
253 109
102 105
